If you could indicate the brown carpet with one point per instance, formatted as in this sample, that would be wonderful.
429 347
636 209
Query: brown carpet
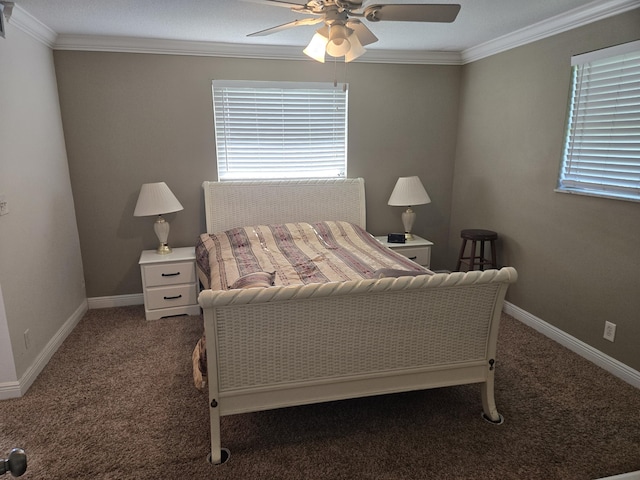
117 402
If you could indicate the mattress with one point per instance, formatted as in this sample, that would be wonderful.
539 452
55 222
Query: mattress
295 254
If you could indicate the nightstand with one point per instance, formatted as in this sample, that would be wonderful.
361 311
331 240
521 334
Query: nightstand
418 249
169 283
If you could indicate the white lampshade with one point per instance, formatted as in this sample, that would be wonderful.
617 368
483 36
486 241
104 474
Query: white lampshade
356 48
156 199
338 44
318 45
408 191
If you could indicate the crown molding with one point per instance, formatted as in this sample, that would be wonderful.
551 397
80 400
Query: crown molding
594 11
180 47
32 26
414 57
575 18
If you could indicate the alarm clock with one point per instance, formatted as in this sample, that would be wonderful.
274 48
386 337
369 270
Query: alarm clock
396 238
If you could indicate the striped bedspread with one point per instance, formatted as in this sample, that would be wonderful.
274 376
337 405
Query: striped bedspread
296 253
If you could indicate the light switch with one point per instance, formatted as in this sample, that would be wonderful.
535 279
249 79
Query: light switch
4 206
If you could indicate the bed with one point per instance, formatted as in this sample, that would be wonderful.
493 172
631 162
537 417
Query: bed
300 343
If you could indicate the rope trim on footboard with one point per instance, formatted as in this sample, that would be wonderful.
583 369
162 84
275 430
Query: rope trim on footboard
209 298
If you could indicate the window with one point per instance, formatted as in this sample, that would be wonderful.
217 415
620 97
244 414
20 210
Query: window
602 146
268 130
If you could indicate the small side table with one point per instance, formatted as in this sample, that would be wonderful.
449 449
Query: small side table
418 249
169 283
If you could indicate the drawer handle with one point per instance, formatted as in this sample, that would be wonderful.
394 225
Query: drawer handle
171 274
412 258
173 298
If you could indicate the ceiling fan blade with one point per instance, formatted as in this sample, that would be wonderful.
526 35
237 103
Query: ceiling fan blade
363 33
434 12
279 3
285 26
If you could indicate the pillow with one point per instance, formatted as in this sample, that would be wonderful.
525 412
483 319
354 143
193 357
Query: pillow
256 279
392 272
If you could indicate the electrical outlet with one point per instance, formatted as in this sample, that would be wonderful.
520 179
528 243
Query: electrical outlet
609 331
27 339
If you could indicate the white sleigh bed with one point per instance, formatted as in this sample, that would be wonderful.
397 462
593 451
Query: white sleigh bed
290 345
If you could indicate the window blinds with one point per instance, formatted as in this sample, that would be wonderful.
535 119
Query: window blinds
279 130
602 149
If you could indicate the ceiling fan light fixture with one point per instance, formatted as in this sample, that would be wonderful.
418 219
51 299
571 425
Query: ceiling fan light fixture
317 46
338 44
338 50
342 42
356 49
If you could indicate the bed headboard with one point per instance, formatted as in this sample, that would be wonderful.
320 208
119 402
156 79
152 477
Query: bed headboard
242 203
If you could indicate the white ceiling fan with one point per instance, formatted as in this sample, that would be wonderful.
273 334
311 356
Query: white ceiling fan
343 32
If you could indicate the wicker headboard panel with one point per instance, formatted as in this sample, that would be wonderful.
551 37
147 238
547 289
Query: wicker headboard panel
242 203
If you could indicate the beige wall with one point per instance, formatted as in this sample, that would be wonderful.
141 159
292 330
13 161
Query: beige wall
40 264
577 257
130 119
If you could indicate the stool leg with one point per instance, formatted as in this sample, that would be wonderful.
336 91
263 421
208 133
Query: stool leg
494 259
482 260
472 258
464 244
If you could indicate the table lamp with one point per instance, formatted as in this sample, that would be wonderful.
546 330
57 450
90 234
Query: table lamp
408 191
156 199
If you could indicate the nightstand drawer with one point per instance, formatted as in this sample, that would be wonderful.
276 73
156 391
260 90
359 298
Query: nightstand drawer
175 296
420 255
169 274
417 249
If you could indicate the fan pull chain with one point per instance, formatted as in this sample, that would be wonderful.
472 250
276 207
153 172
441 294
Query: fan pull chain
344 85
335 74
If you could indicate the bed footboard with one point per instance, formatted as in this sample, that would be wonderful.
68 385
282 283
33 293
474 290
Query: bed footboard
283 346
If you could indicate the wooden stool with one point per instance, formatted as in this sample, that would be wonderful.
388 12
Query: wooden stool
476 236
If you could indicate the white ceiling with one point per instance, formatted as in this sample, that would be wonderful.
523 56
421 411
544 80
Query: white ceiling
223 25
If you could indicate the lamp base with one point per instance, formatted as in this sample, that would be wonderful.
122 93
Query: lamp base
408 217
163 249
161 227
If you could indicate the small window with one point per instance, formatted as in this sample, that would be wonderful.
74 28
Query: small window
602 147
280 130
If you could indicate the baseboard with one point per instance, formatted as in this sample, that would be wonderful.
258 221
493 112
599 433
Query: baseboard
595 356
10 390
19 388
624 476
117 301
